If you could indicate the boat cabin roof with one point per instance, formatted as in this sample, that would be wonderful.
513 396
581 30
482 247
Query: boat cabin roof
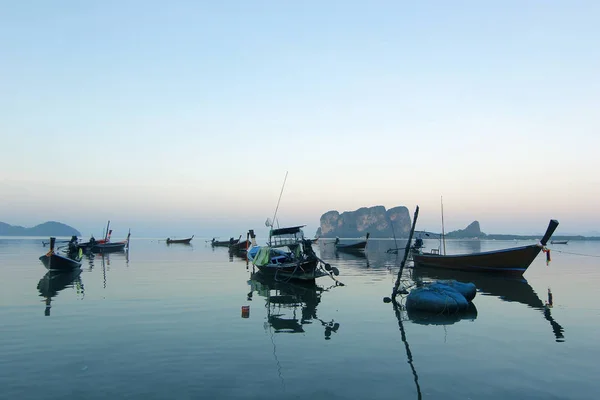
286 231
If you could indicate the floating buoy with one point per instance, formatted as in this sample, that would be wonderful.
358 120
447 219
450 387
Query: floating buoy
245 311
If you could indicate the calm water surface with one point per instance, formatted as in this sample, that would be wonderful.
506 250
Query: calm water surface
166 322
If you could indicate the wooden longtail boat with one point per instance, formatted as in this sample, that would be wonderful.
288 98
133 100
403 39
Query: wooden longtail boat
559 242
513 261
225 243
57 262
287 255
353 247
184 241
111 247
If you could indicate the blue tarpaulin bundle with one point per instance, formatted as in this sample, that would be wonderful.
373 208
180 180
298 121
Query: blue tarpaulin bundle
441 297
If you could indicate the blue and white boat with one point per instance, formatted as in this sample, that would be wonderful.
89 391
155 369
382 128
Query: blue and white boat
288 255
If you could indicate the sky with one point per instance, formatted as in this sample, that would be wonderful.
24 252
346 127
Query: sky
183 117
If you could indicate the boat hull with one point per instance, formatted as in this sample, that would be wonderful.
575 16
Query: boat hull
56 262
182 241
300 271
360 246
108 247
225 243
513 261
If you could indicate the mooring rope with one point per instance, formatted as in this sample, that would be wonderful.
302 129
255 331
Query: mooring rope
576 254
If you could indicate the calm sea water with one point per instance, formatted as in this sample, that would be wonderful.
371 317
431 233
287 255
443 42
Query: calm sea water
165 321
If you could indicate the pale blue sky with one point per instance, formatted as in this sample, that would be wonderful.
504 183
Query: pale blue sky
182 117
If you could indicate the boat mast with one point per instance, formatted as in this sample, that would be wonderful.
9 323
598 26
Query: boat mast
394 233
443 233
277 208
106 234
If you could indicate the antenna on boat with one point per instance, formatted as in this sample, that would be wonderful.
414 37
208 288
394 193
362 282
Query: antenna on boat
443 233
278 201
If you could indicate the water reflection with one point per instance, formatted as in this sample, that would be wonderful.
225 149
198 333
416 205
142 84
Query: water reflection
290 306
104 259
55 281
329 253
506 289
399 316
425 318
428 318
237 253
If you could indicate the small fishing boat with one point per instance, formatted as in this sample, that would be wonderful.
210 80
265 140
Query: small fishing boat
559 241
288 255
110 247
183 241
513 261
224 243
240 247
58 262
358 246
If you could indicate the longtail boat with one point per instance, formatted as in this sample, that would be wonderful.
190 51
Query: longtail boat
184 241
353 247
288 255
57 262
110 247
513 261
225 243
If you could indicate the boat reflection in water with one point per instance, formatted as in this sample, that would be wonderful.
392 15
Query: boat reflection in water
55 281
104 259
356 258
505 288
290 306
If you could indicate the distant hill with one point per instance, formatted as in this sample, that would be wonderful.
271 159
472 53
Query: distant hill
473 231
470 232
50 228
376 220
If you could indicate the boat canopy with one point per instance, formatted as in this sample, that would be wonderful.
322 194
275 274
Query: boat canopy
287 231
263 257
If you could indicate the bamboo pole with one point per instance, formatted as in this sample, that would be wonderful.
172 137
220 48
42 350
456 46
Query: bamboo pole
406 251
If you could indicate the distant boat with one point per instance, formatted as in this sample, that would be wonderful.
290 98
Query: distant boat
358 246
240 247
58 262
183 241
514 261
559 241
104 245
110 247
225 243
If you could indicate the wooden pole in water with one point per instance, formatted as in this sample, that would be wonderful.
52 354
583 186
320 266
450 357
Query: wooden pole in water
443 232
406 251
